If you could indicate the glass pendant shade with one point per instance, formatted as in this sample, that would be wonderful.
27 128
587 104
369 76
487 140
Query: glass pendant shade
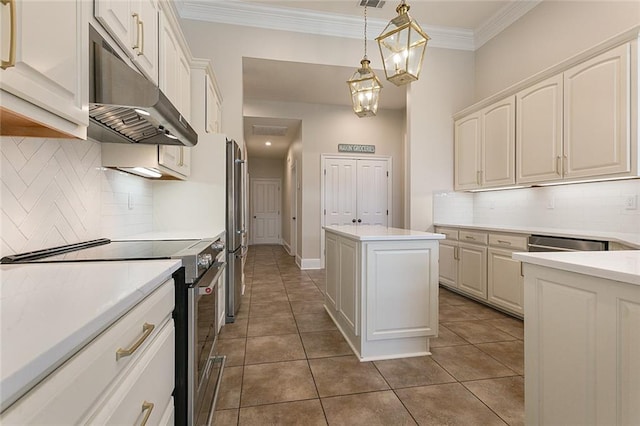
402 45
365 90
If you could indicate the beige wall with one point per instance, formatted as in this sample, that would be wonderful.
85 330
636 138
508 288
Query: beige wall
292 165
550 33
265 167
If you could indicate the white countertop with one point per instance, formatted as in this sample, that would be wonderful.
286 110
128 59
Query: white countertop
623 238
49 311
381 233
623 266
172 235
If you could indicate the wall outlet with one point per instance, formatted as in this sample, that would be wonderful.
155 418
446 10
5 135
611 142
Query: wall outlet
130 202
631 202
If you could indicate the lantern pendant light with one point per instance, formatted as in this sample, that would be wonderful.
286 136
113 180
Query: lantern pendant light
364 84
402 45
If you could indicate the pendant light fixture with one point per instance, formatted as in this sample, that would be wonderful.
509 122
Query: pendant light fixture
364 84
402 45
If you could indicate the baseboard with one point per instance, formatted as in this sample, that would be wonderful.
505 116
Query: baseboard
309 263
287 248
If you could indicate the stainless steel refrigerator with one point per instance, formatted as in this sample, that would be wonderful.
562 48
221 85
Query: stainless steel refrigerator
235 229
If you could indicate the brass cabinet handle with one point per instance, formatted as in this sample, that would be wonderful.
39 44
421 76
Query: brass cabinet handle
456 255
504 242
469 237
558 166
147 330
12 43
136 17
148 407
141 35
478 177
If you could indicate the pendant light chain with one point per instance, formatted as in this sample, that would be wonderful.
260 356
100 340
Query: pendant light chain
365 31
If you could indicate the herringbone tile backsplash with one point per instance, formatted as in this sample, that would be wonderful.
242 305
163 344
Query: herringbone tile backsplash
55 192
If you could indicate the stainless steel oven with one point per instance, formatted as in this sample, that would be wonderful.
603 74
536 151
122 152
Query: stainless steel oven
197 370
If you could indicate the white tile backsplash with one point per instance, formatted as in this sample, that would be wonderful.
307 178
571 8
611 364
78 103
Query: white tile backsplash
597 206
54 192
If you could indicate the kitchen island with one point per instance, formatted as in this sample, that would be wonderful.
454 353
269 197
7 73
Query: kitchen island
582 337
382 289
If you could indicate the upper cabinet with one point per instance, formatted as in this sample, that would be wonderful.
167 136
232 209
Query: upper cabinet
213 106
134 26
485 146
597 115
206 100
43 78
579 123
539 132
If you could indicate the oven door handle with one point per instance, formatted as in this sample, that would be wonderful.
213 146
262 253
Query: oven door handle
208 289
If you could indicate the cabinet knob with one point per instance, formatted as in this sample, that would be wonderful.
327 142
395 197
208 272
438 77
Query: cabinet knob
353 221
359 220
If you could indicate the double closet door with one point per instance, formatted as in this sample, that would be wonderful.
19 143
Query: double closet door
356 191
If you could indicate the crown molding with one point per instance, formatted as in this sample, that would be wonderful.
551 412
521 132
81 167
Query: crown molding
335 25
310 22
506 16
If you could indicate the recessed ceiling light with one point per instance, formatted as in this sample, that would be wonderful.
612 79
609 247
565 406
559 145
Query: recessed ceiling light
267 143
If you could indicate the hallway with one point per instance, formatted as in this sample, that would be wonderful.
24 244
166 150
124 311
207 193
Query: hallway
288 364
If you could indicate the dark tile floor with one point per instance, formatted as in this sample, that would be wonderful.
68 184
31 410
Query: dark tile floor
287 364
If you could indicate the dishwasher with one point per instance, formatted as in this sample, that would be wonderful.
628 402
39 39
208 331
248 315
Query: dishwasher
541 243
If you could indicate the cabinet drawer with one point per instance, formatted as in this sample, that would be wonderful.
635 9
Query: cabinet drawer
514 242
69 392
145 390
451 234
473 237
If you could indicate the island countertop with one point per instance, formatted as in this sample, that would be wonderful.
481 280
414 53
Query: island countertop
50 311
622 266
381 233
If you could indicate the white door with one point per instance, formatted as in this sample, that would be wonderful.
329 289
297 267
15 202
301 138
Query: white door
372 207
340 191
265 203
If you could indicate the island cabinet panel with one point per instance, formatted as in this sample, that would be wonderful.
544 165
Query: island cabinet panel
582 348
397 295
348 284
382 289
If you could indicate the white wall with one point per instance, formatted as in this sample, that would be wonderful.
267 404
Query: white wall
445 87
266 167
55 192
550 33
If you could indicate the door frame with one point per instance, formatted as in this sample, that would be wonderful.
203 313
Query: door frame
293 210
323 161
279 202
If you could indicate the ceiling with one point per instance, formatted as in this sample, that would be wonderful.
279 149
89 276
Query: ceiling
453 24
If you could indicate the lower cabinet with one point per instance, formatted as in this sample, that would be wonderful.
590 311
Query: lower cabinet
120 377
478 263
505 284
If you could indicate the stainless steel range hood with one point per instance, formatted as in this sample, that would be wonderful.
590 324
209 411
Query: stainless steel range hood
125 107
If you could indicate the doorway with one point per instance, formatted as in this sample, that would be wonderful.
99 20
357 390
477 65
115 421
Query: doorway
293 199
265 211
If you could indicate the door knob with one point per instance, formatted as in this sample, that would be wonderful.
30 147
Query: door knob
254 217
294 218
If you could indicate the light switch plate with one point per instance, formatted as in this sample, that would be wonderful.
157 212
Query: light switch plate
631 202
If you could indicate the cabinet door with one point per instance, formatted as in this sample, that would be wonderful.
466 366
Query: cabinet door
212 106
448 264
505 285
50 65
372 178
348 284
116 16
539 132
472 272
332 264
169 59
145 54
176 158
340 191
597 115
184 85
467 153
498 144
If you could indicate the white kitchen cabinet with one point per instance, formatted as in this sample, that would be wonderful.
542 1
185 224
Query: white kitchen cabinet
597 115
44 80
484 147
582 345
113 361
382 289
164 159
448 259
175 82
539 132
472 269
213 106
467 152
504 282
133 24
